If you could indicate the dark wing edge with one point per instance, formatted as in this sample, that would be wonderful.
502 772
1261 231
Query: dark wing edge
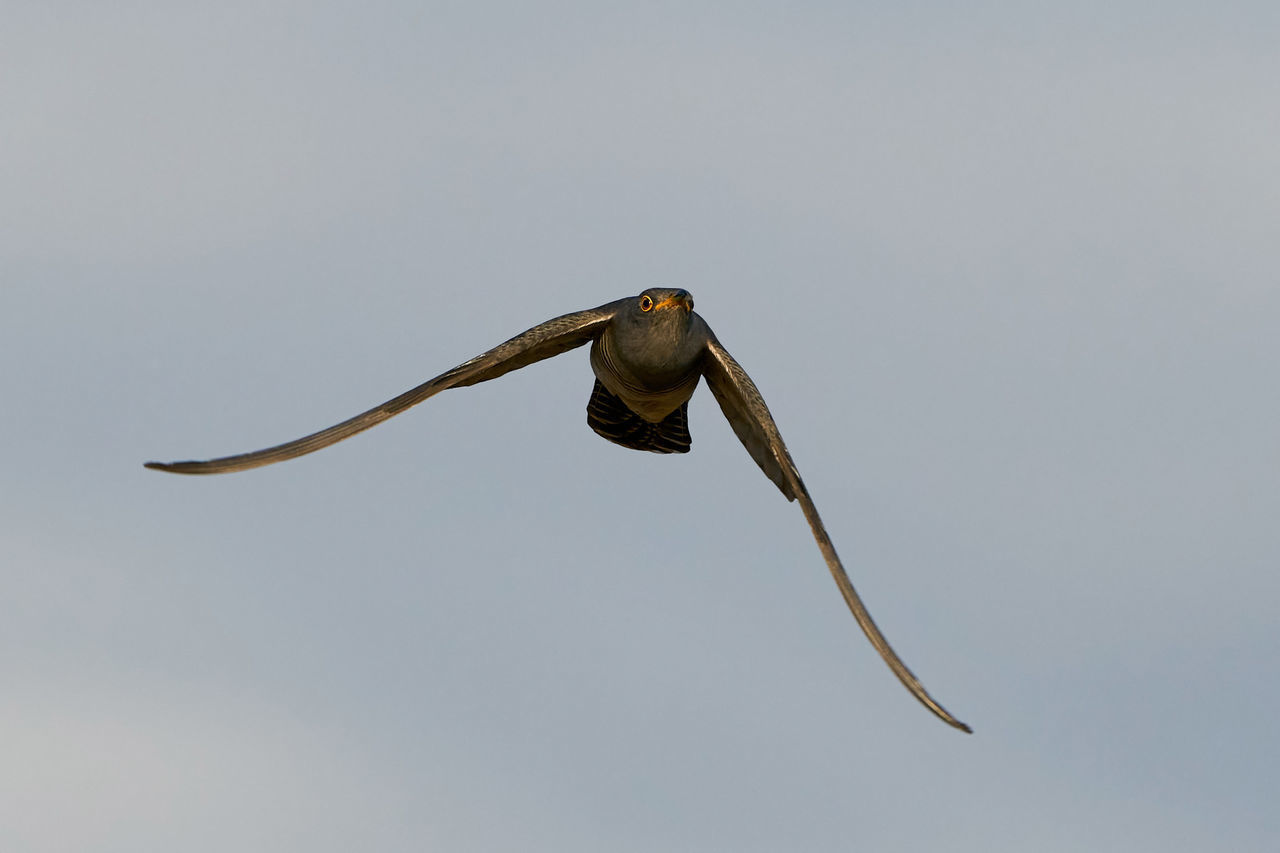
542 341
751 421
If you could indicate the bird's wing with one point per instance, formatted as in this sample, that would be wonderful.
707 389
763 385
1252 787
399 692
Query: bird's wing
542 341
749 416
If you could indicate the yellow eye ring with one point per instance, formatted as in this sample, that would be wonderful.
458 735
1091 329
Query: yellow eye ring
646 303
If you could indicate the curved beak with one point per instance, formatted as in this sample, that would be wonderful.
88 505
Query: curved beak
680 298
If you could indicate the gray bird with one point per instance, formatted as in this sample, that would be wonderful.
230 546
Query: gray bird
648 353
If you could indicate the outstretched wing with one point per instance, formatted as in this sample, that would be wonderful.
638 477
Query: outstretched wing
542 341
749 416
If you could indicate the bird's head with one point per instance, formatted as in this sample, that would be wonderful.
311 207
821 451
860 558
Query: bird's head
662 306
654 333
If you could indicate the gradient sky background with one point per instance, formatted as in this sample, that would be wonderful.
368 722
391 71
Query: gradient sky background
1007 274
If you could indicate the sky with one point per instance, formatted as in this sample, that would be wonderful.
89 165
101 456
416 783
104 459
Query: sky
1005 273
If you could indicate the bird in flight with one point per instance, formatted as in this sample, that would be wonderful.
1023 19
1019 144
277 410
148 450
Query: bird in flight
648 353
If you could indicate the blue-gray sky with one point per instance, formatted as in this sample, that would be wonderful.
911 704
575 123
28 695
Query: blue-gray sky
1006 274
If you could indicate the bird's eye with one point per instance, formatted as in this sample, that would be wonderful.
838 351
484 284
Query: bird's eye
646 304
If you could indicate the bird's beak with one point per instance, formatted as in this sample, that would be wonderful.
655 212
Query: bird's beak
681 299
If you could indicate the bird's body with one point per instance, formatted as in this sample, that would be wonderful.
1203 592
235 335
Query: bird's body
652 381
648 354
647 366
651 360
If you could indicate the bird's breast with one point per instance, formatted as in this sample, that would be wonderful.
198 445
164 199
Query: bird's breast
651 387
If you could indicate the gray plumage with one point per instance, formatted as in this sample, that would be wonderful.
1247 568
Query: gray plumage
648 353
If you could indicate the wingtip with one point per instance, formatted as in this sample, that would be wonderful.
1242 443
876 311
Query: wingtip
938 711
